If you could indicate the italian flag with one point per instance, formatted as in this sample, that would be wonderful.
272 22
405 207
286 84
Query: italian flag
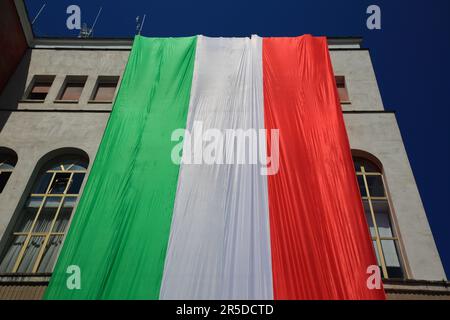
149 228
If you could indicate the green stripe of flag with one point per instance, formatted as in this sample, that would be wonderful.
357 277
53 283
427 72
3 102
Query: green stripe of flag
119 233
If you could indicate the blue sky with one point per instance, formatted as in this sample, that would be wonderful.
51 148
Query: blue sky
410 56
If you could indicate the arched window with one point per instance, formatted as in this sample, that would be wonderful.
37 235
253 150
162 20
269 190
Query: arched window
8 160
378 215
42 223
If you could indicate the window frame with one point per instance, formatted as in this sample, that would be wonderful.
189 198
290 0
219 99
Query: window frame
30 234
71 79
396 238
38 78
104 80
337 79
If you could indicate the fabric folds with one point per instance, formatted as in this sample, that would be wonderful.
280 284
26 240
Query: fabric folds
320 242
217 226
119 234
219 243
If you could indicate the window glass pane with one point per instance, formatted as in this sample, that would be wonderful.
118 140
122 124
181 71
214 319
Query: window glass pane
342 88
392 260
384 225
47 214
4 176
357 164
77 180
76 166
28 214
42 183
39 91
11 255
41 87
343 94
64 215
368 165
59 183
50 254
382 215
68 164
369 217
375 184
79 167
390 253
105 92
374 243
72 91
6 166
340 81
362 187
395 272
37 95
30 255
376 252
56 167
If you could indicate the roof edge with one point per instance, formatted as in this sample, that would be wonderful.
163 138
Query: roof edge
117 43
23 17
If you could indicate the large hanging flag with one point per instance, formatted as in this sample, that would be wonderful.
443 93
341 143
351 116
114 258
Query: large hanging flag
224 172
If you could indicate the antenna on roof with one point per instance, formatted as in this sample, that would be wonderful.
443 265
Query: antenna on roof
85 31
95 21
140 25
39 12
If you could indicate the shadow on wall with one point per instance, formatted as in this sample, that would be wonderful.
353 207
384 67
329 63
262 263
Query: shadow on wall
12 40
14 90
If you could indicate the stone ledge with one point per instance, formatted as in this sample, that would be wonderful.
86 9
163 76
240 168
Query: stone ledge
24 279
417 289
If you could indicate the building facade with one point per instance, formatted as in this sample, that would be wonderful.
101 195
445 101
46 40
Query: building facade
54 109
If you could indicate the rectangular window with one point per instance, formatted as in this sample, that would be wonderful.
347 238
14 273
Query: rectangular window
105 89
40 86
342 89
72 89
